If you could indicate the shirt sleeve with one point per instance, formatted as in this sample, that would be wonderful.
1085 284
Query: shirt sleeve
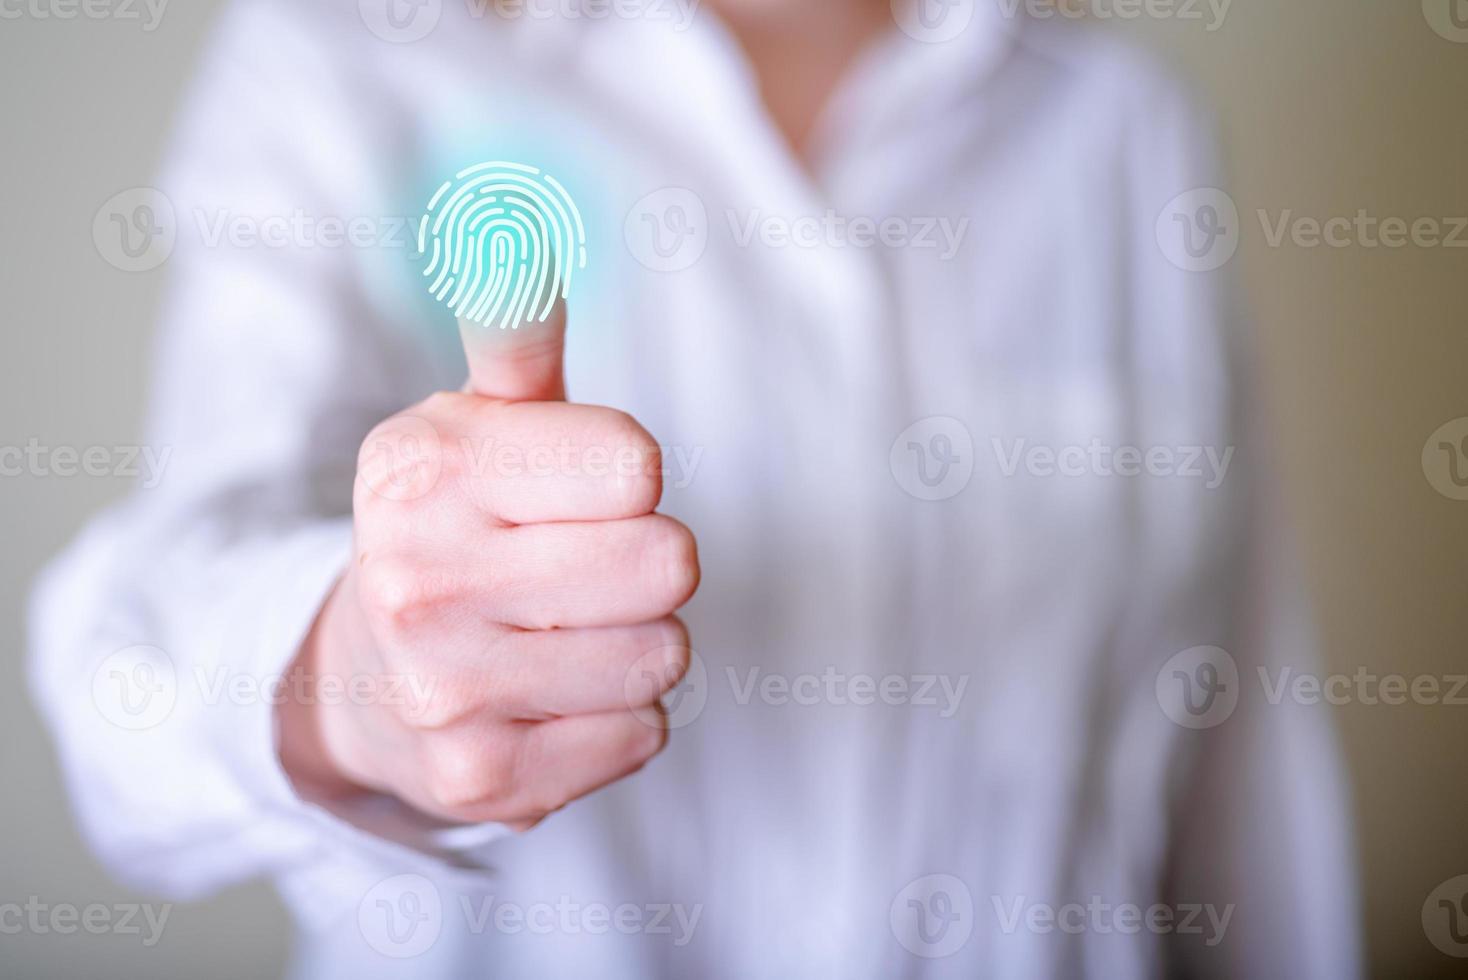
160 637
1263 831
1260 829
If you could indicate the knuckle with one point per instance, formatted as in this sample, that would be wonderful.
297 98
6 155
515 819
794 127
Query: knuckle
394 593
442 706
453 778
400 459
461 775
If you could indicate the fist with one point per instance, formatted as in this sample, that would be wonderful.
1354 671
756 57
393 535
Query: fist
513 584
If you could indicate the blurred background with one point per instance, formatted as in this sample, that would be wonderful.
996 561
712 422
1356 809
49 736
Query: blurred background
1329 108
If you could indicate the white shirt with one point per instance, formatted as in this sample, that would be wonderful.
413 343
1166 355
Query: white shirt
922 736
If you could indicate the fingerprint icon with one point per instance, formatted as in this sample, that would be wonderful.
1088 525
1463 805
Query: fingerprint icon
502 242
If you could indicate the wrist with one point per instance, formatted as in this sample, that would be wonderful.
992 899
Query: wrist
302 744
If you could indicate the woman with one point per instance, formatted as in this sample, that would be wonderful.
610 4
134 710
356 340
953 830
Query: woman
913 320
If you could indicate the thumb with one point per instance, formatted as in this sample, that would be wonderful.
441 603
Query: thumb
521 365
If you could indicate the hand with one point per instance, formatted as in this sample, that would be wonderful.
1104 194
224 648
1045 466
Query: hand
509 566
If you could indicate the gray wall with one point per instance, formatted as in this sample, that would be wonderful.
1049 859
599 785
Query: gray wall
1330 106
